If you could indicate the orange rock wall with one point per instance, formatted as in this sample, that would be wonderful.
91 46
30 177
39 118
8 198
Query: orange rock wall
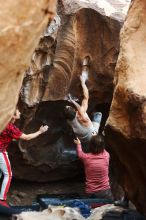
52 156
21 24
126 126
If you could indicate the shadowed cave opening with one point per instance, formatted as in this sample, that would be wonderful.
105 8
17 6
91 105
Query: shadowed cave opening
60 171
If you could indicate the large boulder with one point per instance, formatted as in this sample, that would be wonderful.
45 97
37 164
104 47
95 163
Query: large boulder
54 73
126 125
88 28
21 24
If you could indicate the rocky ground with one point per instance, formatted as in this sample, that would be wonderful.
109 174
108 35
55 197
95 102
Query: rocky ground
24 193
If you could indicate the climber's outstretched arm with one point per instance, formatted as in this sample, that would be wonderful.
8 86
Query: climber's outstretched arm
84 104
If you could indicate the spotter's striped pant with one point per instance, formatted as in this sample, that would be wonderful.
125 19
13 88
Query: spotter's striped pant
5 169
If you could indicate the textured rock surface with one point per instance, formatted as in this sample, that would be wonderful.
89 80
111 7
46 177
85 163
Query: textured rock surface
114 9
54 72
64 213
65 51
52 155
114 212
126 126
98 213
21 23
53 212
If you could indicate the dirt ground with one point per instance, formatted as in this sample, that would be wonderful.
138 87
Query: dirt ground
24 193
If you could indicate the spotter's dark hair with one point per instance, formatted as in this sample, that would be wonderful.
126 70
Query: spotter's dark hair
97 144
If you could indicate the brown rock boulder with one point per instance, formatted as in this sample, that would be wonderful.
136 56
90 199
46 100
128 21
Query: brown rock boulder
50 156
21 24
55 80
114 9
126 126
87 29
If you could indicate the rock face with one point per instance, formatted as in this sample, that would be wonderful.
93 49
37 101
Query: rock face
54 73
56 62
126 126
114 212
114 9
21 24
52 155
101 213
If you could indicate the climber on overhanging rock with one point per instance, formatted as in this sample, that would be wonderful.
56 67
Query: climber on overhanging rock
7 135
77 116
